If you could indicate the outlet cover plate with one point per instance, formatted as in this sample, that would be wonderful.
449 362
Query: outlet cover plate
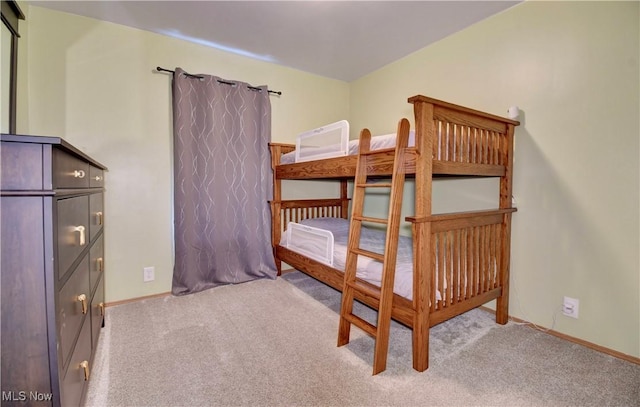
570 307
149 274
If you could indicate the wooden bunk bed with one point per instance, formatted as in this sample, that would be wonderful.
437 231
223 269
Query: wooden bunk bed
469 250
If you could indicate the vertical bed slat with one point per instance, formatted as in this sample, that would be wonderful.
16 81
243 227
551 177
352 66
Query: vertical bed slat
463 135
442 275
499 255
438 136
481 260
432 294
463 265
469 264
492 135
456 267
474 264
448 282
487 258
451 156
493 257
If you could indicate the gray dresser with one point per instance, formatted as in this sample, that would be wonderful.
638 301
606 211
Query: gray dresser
52 269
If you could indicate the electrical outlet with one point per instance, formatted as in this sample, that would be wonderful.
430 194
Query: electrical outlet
149 274
570 307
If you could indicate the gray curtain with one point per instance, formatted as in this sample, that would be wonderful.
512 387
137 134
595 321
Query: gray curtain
222 183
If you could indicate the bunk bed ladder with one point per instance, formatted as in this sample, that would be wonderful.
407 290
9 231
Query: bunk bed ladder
368 159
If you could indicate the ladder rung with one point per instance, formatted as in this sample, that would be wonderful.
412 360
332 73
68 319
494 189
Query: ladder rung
362 324
373 292
370 219
372 255
375 185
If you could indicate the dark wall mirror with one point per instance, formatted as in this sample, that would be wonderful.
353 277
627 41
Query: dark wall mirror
11 14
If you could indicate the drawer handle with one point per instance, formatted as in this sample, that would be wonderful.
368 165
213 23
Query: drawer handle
97 178
83 299
101 305
80 229
79 174
100 264
99 218
85 366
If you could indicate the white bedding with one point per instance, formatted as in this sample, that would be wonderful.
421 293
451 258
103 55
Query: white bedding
373 240
377 143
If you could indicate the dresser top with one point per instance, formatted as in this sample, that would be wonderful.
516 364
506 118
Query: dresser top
55 141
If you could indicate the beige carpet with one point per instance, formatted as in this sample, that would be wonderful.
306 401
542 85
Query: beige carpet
273 343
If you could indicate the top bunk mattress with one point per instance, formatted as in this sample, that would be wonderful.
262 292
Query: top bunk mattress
332 140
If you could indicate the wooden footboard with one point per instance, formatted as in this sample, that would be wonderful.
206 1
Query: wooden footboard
463 256
469 261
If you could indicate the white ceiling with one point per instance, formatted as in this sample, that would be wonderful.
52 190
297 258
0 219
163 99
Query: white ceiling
338 39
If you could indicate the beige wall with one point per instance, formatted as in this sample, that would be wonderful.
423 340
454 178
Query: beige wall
94 83
572 67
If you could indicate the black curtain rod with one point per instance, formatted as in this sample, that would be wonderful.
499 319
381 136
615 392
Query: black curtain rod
219 80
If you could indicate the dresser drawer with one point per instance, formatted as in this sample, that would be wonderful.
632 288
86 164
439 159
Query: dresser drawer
79 370
69 171
96 263
73 230
21 167
73 306
96 214
97 313
96 177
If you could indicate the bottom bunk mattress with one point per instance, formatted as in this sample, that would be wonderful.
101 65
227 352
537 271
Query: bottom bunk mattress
321 231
